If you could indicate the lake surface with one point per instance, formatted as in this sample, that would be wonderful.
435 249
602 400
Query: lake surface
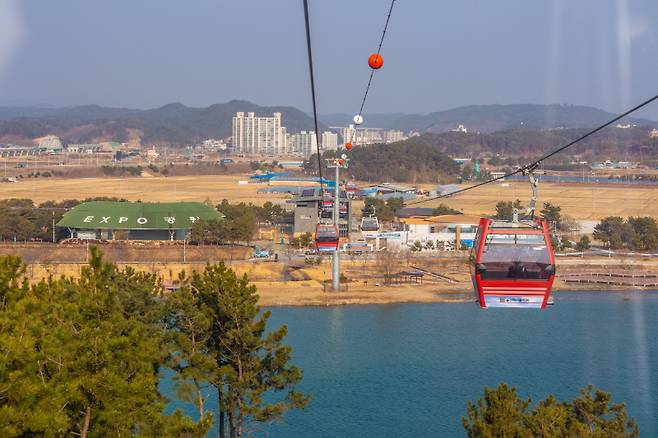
409 369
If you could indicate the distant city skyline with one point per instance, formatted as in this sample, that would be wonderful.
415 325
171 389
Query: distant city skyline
600 53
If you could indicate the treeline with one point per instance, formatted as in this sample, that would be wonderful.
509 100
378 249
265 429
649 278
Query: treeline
239 224
84 357
23 220
400 162
122 170
635 233
557 222
502 413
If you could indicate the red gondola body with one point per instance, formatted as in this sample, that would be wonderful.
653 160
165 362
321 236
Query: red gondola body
513 264
326 237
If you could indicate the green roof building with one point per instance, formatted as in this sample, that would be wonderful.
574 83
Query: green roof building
135 220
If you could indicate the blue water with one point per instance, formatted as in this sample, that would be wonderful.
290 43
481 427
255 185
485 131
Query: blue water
409 369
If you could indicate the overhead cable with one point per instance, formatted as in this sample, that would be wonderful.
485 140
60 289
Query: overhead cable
534 164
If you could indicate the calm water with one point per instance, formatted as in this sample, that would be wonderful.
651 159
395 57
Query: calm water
409 369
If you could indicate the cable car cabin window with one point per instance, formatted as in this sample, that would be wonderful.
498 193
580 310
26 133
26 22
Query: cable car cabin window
326 234
515 257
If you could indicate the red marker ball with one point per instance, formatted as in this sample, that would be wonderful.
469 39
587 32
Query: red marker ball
375 61
348 146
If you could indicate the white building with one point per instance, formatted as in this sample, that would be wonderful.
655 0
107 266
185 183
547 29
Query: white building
304 143
259 135
329 140
460 128
434 233
392 136
213 145
653 133
361 136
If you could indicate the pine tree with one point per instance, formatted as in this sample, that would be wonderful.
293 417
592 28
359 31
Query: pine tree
249 361
82 356
502 413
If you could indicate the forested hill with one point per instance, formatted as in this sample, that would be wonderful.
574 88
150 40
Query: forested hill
427 158
491 118
173 123
610 143
408 161
178 124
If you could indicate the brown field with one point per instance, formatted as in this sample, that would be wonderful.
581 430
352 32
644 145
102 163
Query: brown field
585 202
577 200
155 189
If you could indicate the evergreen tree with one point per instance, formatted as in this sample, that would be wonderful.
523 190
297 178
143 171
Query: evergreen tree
644 234
583 244
189 333
505 209
82 356
502 413
552 214
612 231
222 340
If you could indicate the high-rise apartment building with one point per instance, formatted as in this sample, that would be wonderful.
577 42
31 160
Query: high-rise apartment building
259 135
392 135
329 140
304 143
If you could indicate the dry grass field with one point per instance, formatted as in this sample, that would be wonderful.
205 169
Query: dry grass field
586 202
154 189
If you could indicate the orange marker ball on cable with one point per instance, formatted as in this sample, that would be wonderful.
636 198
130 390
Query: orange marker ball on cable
376 61
348 146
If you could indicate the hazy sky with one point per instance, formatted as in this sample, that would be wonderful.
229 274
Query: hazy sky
438 53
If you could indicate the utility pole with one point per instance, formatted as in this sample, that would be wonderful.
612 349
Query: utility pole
337 163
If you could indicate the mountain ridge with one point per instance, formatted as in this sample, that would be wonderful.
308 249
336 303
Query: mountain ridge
492 117
178 124
173 123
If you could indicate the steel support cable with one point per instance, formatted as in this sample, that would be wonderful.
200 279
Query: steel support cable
315 111
535 163
379 49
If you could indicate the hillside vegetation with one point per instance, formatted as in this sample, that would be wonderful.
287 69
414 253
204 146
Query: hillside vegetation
490 118
174 123
407 161
177 124
609 143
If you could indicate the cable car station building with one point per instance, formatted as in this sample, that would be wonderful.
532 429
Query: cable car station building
107 220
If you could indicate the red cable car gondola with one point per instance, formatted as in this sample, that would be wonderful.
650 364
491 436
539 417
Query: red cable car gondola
326 237
513 264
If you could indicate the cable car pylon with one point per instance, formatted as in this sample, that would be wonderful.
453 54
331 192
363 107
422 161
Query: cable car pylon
337 163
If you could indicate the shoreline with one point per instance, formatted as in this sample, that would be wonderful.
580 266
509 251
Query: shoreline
400 294
294 283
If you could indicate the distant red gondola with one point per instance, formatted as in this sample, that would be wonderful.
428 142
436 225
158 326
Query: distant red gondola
513 264
326 237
